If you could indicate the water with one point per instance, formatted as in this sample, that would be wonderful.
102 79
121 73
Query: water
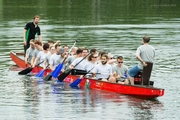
116 27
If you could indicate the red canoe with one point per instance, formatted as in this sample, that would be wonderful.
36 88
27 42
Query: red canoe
146 92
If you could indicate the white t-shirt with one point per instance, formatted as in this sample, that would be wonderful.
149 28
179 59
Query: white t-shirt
89 65
81 65
102 71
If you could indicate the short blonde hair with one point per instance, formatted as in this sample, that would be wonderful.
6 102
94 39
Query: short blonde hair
36 16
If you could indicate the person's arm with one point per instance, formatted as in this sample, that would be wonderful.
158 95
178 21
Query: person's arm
110 72
71 66
138 51
33 57
51 67
40 38
93 75
44 64
26 59
27 56
57 42
140 59
32 60
111 61
94 71
35 62
24 37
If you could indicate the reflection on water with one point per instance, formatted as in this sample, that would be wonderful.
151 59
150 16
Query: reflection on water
116 27
35 100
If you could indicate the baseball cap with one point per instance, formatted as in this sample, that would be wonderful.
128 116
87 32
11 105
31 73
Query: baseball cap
61 50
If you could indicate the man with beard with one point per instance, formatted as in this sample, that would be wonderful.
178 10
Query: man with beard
102 71
30 30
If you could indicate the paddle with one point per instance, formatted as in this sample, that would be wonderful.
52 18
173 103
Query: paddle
48 77
59 67
56 72
63 75
27 70
41 73
78 80
78 72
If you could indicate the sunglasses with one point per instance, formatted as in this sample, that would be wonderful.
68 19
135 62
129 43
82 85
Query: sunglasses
120 62
94 57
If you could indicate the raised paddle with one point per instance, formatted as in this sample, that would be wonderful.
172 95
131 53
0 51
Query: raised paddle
41 73
63 75
27 70
57 70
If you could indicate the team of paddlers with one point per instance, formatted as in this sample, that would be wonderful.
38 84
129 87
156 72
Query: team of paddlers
100 64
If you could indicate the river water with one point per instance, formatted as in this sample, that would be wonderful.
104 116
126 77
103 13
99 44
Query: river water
114 26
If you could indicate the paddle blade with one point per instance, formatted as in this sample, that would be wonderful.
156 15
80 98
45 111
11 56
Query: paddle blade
48 77
40 74
57 70
25 71
76 82
63 75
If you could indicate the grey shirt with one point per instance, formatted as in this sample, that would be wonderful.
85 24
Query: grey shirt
60 60
29 53
70 59
120 70
47 59
35 53
147 53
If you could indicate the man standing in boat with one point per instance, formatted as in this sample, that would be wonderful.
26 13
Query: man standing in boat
30 30
144 53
